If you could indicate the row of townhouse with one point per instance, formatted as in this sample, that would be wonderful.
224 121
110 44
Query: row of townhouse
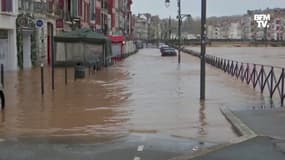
244 27
27 26
147 27
276 30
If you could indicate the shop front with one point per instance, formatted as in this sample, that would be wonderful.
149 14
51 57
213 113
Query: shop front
118 43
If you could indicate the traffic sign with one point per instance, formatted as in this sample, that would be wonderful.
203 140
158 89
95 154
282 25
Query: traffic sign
39 23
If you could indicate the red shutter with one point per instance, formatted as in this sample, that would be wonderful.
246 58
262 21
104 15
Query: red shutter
112 6
88 13
98 16
3 5
61 4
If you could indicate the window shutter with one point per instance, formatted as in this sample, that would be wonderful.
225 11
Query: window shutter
74 8
3 5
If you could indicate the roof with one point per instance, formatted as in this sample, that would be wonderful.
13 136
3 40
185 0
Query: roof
82 35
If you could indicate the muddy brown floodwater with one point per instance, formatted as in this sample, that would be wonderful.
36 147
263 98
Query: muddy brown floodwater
146 94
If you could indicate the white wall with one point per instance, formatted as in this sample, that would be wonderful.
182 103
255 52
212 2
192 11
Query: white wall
8 22
129 47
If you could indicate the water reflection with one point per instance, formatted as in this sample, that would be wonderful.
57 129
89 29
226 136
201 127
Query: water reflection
2 116
202 118
82 108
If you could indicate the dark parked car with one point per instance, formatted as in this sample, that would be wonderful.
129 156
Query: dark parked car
139 44
168 51
162 47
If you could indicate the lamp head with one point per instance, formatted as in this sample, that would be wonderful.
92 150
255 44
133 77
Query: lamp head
167 3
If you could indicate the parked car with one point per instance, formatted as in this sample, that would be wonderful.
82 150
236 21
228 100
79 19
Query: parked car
139 44
163 47
168 51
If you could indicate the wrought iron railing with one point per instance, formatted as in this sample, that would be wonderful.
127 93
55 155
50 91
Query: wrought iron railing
266 78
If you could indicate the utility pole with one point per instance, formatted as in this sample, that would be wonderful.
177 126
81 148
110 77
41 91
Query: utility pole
203 50
179 30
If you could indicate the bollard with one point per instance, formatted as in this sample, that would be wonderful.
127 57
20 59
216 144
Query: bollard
89 69
65 74
2 75
79 71
2 96
42 79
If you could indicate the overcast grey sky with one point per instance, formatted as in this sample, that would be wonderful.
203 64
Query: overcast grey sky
215 7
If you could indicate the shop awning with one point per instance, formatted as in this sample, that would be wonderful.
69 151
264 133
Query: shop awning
82 35
117 39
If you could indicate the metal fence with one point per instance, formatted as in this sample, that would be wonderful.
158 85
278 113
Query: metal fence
266 78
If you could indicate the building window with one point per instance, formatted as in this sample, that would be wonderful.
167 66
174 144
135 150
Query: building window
20 4
87 12
79 8
74 8
6 5
92 10
3 34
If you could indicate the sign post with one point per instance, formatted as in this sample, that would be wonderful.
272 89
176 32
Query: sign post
39 23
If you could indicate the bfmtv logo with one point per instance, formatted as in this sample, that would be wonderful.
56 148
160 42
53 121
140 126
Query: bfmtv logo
262 20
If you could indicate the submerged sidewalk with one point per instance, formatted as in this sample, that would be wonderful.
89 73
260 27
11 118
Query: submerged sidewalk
263 137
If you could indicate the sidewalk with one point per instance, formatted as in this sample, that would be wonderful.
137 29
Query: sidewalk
262 137
266 122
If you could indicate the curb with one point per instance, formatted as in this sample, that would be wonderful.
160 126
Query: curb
242 129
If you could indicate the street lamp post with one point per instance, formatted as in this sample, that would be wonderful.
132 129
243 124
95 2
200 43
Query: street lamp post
179 30
169 31
203 50
179 17
203 42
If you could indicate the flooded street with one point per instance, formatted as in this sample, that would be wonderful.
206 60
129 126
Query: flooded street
145 94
